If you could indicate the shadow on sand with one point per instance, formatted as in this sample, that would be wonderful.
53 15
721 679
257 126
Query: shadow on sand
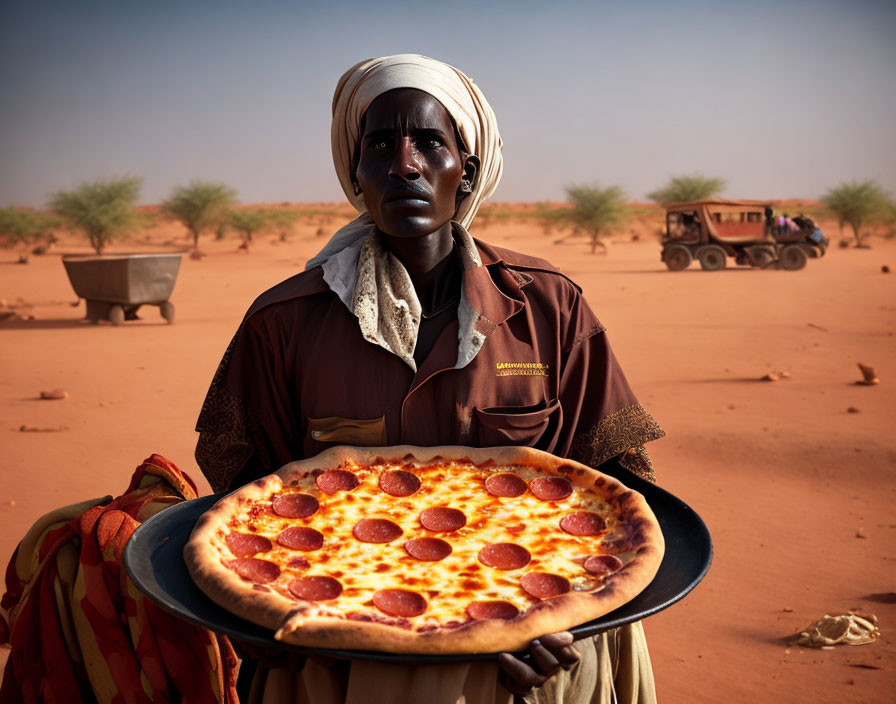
69 323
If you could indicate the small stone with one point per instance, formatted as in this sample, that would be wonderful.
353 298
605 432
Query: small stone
853 409
54 394
885 269
787 609
869 376
860 533
11 502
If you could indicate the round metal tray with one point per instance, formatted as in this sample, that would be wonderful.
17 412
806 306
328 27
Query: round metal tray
153 559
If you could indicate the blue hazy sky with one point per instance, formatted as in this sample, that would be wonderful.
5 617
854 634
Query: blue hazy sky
783 99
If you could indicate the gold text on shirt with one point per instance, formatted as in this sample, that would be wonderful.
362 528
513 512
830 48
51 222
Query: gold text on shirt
521 369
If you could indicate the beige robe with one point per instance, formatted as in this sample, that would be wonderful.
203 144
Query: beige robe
614 669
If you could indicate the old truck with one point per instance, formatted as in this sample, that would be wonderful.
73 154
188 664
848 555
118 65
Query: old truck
710 231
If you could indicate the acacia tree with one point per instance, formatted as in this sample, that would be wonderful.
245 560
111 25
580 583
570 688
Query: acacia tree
20 227
857 203
200 205
593 210
102 209
248 222
681 189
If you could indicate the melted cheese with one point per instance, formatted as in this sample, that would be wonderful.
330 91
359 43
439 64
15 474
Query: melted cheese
448 585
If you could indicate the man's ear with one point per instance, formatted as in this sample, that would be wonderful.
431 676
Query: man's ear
469 177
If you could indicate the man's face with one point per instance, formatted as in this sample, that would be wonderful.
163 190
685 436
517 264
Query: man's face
410 167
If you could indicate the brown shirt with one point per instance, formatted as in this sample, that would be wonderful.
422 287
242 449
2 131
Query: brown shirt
298 377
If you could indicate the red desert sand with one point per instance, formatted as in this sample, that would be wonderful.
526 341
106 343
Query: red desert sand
785 476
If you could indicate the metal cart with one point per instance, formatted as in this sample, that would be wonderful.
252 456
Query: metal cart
116 285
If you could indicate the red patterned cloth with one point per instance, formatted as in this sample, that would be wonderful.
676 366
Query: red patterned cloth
80 631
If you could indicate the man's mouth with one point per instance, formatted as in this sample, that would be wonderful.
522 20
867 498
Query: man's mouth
413 197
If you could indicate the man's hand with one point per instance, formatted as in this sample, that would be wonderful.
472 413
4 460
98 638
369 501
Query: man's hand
549 654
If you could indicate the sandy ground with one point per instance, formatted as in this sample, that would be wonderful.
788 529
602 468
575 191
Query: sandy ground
797 491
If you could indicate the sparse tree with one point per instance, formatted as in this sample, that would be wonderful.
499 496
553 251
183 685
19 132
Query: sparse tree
857 203
102 209
593 210
248 222
200 206
682 189
23 228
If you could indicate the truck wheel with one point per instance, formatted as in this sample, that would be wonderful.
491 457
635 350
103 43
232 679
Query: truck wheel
762 258
166 308
116 315
793 258
712 257
677 257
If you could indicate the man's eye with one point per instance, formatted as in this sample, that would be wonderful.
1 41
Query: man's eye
430 143
381 145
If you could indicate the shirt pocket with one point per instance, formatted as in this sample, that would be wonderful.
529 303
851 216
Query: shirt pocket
348 431
530 426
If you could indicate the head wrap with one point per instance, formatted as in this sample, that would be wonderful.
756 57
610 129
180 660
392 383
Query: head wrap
457 93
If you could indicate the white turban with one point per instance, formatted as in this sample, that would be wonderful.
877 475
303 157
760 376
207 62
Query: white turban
457 93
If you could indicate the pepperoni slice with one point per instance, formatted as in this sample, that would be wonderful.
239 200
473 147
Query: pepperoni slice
256 570
376 530
544 585
427 549
603 564
315 588
301 538
480 610
294 505
504 556
583 523
334 480
399 483
246 544
551 488
441 519
505 484
399 602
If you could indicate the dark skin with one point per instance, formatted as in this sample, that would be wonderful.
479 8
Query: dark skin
414 173
413 176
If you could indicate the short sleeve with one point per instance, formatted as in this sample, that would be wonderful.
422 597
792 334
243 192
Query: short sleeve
602 418
246 422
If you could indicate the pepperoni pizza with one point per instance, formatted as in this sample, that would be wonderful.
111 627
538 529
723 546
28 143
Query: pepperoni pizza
426 550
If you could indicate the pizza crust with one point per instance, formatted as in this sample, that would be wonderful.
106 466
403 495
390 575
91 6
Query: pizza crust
291 622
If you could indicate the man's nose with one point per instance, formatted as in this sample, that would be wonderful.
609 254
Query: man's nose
405 162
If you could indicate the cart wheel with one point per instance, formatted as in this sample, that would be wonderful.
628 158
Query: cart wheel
793 258
677 257
712 257
166 308
116 315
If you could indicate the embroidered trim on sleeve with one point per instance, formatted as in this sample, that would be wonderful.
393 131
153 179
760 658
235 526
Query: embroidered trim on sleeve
637 461
622 430
223 447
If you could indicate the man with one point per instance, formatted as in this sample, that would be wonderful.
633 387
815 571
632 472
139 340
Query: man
405 329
